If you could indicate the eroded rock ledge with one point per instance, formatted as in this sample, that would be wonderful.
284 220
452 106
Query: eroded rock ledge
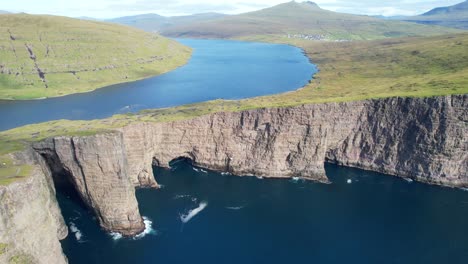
421 138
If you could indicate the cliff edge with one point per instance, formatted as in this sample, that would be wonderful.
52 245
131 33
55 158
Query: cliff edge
31 224
424 139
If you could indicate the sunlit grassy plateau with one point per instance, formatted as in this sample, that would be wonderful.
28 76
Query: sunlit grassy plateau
348 71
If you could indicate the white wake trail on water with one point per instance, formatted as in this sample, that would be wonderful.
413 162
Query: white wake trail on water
193 212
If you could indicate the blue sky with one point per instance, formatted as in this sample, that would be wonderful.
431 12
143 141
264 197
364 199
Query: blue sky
116 8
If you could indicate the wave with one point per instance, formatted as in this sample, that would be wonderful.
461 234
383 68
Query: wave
195 169
225 173
204 171
295 179
115 235
193 212
260 177
76 231
408 179
148 228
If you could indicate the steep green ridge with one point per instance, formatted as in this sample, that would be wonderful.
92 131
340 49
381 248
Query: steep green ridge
455 16
412 67
303 20
48 56
157 23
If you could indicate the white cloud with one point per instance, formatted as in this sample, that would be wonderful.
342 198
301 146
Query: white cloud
115 8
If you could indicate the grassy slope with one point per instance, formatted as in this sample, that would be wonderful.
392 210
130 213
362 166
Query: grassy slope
455 16
303 18
416 67
77 55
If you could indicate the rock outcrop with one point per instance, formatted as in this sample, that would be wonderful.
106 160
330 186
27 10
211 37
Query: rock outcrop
421 138
31 224
98 168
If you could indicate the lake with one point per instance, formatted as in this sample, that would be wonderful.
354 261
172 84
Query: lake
375 218
218 69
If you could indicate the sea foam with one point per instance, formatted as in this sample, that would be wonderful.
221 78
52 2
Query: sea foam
115 235
76 231
148 230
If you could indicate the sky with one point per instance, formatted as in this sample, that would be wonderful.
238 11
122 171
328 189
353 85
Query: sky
116 8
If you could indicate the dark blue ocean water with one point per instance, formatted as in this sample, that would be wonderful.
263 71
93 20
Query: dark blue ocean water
218 69
374 219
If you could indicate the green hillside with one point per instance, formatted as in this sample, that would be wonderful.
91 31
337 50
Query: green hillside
455 16
303 20
157 23
48 56
349 71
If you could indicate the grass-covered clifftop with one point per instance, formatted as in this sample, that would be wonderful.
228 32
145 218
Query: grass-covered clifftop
49 56
411 67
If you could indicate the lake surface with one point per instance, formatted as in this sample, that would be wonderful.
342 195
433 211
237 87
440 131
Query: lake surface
218 69
374 219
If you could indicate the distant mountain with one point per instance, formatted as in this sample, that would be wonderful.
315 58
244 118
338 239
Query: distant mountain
88 18
157 23
460 8
301 20
390 17
4 12
455 16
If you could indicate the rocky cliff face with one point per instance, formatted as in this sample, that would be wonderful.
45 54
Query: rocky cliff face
98 168
424 139
31 224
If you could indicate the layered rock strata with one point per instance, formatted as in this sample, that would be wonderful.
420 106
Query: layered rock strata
31 224
421 138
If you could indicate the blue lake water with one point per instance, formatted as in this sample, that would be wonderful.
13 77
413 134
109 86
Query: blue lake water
218 69
375 219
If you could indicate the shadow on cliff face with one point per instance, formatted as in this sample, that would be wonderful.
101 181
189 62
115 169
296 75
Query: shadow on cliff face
66 190
63 185
175 161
